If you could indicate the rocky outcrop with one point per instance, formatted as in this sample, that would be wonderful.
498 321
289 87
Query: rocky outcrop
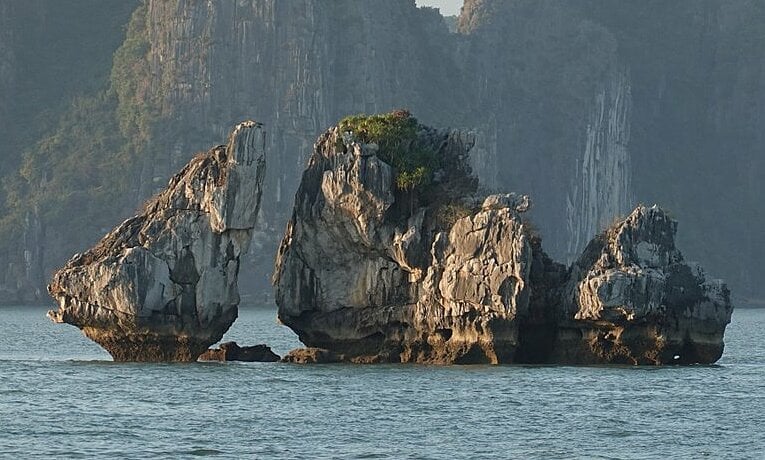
632 299
617 117
231 351
375 269
313 356
162 286
380 273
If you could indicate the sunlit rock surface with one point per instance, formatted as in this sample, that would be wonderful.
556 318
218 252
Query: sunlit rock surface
370 272
376 273
162 286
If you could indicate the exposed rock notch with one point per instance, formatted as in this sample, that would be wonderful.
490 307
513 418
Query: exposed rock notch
392 255
162 286
632 299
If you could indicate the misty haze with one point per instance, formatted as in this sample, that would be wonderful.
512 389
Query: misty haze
382 229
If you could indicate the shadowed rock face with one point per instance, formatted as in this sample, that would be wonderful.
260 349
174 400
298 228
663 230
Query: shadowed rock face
632 299
368 272
231 351
162 286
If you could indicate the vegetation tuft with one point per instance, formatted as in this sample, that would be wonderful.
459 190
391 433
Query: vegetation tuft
395 133
448 213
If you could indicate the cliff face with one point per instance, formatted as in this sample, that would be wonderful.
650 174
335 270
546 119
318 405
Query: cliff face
557 100
286 62
586 106
7 65
210 64
697 95
602 184
163 285
373 271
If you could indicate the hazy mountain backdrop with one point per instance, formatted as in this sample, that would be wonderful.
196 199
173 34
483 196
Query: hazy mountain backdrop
589 106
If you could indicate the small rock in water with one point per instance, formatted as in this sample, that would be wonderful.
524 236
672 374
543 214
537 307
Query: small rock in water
231 351
312 356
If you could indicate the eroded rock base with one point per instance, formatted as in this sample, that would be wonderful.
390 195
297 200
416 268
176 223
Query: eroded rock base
393 338
163 285
313 355
635 345
147 347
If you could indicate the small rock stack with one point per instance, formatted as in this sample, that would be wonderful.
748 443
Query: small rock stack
162 286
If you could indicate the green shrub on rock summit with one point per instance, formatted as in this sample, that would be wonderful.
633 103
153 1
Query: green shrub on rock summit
396 135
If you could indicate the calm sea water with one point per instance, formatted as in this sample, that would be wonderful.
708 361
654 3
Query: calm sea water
61 397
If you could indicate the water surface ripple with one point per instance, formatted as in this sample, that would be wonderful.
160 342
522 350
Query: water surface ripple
61 397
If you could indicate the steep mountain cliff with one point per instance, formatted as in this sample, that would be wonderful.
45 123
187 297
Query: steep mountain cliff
557 100
696 143
602 185
285 64
7 66
587 106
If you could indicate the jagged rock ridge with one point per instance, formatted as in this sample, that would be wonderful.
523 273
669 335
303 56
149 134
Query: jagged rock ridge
162 286
375 269
383 273
632 298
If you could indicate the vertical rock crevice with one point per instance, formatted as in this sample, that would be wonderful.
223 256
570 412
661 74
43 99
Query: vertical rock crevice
602 186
